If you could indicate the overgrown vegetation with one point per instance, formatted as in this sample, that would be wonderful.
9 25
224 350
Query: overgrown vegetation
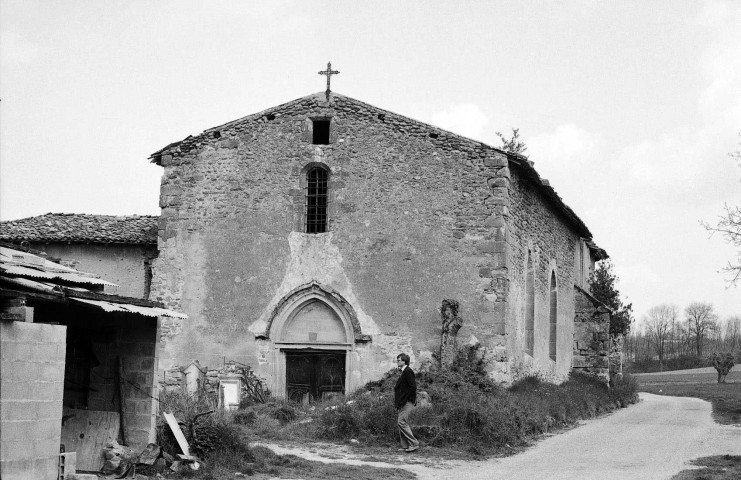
220 441
463 409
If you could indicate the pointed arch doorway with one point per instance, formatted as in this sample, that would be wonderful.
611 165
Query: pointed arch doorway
313 332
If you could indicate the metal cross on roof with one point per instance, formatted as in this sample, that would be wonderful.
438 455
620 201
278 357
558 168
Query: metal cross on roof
328 72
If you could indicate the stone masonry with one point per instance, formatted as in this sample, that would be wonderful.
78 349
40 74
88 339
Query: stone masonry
416 215
591 336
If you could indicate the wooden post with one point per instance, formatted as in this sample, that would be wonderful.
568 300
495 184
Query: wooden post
121 399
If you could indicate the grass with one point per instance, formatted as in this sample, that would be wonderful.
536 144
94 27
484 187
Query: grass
718 467
725 397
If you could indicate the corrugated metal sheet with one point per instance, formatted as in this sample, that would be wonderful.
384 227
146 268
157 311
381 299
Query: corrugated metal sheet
124 307
23 264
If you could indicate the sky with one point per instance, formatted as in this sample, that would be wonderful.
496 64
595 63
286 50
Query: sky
629 108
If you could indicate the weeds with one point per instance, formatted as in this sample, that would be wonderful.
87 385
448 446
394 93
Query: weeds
467 410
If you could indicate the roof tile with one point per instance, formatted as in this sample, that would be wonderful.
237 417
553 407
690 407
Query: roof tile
82 228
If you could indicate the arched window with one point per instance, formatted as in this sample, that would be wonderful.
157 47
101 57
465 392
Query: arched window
317 195
554 317
530 306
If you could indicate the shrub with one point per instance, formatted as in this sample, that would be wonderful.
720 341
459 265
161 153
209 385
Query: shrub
624 390
467 409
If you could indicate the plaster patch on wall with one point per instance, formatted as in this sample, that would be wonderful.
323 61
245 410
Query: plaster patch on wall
315 258
262 349
392 345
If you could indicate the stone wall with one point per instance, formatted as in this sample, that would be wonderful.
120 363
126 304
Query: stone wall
535 226
128 266
416 215
411 222
591 336
32 359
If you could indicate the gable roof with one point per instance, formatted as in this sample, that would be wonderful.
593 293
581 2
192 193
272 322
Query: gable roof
431 133
82 228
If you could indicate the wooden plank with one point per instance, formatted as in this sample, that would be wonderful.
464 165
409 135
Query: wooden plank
121 399
177 432
87 432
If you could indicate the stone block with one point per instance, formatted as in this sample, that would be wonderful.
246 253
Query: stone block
491 247
51 372
13 450
499 182
47 467
17 390
496 161
495 220
579 361
49 410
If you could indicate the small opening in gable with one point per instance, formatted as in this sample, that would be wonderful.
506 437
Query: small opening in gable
270 117
217 134
434 135
321 132
382 117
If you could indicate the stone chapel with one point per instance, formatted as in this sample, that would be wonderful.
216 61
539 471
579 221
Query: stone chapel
316 240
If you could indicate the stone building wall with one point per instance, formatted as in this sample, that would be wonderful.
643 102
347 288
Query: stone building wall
534 225
416 215
412 222
128 266
592 344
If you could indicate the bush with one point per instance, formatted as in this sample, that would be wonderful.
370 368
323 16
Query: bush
468 410
205 432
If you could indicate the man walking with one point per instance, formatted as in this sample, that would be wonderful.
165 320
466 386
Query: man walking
405 396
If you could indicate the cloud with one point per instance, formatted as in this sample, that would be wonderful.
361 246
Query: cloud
636 274
465 119
567 146
15 49
721 61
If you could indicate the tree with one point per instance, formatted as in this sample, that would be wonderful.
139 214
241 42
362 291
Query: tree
514 144
732 333
658 325
701 320
603 285
723 363
729 226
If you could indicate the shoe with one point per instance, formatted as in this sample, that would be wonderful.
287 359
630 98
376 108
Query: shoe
411 449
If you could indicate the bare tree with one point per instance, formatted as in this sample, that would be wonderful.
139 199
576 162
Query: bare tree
729 226
659 321
732 333
701 320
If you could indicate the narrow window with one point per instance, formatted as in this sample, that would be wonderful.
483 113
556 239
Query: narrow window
530 306
316 200
321 132
554 317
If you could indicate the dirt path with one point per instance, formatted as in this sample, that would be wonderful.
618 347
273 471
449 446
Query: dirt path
654 439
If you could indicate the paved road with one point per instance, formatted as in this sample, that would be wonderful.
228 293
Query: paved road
654 439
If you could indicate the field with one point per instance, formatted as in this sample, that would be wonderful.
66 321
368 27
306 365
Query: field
699 383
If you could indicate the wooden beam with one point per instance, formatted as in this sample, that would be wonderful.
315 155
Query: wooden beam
106 297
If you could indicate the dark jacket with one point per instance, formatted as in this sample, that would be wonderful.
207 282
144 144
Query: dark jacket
405 389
